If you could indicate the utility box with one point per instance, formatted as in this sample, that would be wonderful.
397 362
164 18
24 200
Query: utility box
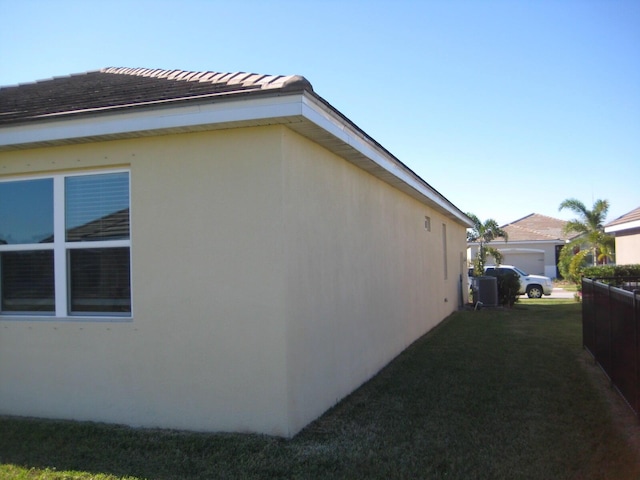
486 291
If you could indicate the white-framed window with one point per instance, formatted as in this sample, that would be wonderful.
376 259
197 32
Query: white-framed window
65 245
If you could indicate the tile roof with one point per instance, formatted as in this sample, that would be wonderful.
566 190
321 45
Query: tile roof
536 227
111 88
632 216
53 112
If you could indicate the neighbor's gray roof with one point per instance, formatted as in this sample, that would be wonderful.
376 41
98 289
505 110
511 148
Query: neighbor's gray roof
632 216
112 88
112 226
536 227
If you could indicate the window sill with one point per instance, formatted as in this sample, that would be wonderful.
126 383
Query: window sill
68 319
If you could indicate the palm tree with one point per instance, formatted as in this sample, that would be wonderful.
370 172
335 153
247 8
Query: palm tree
484 233
606 248
590 226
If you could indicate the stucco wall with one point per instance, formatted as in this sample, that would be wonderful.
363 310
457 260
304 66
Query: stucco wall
628 247
364 276
270 278
205 349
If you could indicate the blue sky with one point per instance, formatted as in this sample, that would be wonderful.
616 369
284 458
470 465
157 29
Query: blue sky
505 107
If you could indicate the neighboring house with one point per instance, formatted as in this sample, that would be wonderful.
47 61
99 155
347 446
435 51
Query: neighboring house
534 244
207 251
627 233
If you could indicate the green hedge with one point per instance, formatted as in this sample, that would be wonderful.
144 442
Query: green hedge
604 271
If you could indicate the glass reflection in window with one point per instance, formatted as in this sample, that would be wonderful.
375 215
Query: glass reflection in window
97 207
26 212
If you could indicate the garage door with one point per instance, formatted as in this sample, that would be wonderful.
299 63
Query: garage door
530 262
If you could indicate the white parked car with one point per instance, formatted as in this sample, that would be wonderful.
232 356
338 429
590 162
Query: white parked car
535 286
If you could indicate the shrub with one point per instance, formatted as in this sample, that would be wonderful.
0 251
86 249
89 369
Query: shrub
508 287
571 264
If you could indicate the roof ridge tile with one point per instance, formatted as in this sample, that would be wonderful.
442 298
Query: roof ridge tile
118 87
238 78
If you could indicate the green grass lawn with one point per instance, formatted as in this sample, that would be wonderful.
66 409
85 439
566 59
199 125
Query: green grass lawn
491 394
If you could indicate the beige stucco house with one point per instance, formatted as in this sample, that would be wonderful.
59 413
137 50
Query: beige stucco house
206 251
626 230
534 244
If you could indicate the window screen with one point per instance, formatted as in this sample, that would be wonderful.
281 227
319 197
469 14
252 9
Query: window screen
27 281
99 280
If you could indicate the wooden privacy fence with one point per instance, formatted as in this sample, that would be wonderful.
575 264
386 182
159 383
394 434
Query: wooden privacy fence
611 331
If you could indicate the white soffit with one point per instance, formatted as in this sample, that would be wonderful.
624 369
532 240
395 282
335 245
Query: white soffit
375 159
301 112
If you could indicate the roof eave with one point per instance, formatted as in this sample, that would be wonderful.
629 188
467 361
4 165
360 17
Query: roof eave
288 89
298 108
622 226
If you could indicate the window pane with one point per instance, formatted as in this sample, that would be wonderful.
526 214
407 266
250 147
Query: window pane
99 280
27 281
97 207
26 211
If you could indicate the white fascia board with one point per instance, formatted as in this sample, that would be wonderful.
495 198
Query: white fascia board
524 242
323 117
162 118
559 241
520 250
622 226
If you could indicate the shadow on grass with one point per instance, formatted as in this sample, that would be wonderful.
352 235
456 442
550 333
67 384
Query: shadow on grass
497 393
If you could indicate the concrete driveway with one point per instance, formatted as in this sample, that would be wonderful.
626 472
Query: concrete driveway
560 293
